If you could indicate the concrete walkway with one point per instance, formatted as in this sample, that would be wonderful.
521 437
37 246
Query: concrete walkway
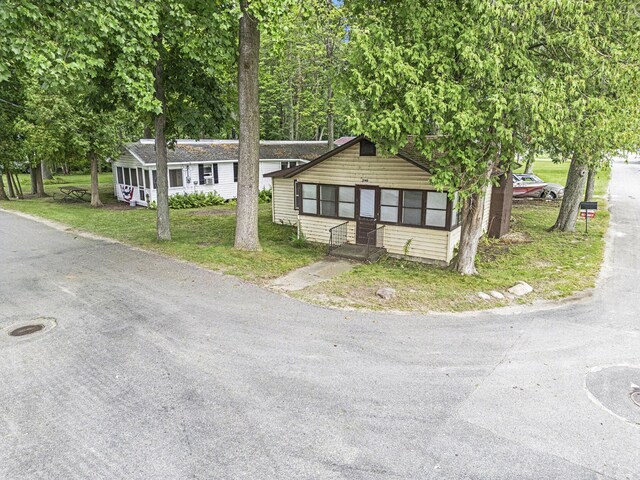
317 272
158 369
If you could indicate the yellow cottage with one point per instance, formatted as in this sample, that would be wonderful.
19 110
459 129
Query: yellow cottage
363 205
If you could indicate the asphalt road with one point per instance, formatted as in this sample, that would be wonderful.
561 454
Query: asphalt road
157 369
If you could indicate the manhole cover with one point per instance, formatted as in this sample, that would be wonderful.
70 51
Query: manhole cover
26 330
611 387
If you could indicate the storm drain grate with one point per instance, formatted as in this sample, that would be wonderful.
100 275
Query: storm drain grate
26 330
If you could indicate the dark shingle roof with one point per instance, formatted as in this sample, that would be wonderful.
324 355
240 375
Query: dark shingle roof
342 140
411 153
186 151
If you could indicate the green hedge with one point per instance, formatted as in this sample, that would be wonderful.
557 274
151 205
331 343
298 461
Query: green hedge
195 200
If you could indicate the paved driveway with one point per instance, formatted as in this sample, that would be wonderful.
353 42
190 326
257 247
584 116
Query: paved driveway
161 370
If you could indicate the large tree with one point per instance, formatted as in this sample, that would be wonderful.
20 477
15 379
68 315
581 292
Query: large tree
478 84
254 16
453 77
118 63
10 146
246 237
589 55
81 54
193 47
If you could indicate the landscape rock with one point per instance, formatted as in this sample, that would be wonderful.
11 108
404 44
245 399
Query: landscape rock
520 289
386 293
496 294
484 296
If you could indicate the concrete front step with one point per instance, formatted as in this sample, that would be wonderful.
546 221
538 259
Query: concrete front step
358 252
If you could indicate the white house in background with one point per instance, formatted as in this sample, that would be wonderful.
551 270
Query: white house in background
201 166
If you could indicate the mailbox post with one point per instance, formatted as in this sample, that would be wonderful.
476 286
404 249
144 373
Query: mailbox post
587 210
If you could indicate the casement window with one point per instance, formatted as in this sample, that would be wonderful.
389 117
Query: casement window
127 176
411 207
140 179
310 198
296 195
346 202
436 210
284 165
146 178
389 202
328 200
235 172
207 170
367 149
175 177
120 175
155 179
134 178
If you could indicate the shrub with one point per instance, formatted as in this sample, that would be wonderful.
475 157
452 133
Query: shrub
195 200
265 195
298 241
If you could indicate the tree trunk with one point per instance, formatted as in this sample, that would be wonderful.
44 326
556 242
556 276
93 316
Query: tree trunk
17 186
3 192
573 190
471 217
528 166
591 183
330 134
328 44
249 148
39 182
34 185
292 128
147 131
163 229
10 184
95 192
46 173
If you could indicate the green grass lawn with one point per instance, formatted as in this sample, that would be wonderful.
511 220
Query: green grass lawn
203 236
555 264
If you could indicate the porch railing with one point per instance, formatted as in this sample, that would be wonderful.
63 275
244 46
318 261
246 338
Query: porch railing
338 235
375 240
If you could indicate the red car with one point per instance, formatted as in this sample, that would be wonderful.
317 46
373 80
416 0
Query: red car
529 185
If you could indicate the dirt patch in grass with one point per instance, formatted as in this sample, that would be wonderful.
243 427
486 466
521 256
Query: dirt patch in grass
514 238
493 249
